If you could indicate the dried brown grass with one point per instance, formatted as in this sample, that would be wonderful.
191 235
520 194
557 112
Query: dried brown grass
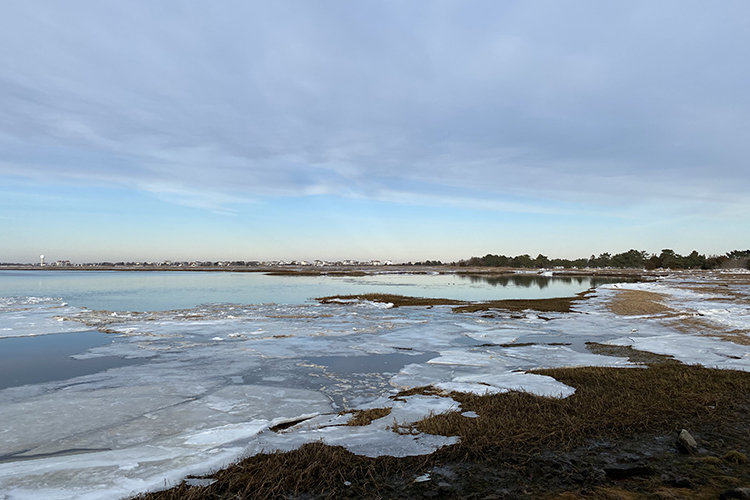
608 403
641 302
314 468
558 304
396 300
425 390
698 325
365 417
638 303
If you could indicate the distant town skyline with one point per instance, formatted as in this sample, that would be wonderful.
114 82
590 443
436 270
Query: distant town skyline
633 259
147 131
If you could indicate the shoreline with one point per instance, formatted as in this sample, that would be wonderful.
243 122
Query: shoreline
479 363
625 448
365 270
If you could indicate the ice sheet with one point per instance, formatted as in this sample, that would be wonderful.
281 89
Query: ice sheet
214 379
31 316
707 351
373 440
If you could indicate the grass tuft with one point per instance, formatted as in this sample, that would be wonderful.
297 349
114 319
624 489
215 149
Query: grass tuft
365 417
425 390
710 460
735 457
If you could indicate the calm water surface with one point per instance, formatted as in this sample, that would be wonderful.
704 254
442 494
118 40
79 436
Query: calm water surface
44 358
159 291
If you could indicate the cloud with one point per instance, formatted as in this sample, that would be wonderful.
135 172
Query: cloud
607 105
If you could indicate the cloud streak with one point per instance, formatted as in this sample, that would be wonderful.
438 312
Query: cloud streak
607 105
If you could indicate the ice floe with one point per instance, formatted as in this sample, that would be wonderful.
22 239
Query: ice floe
32 316
212 381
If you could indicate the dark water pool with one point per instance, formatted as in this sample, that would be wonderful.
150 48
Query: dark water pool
372 363
46 358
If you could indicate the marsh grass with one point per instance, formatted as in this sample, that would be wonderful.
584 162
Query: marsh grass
735 457
313 468
384 298
638 303
558 304
365 417
708 328
645 303
608 402
509 430
425 390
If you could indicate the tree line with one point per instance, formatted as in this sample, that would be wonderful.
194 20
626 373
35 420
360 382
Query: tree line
632 259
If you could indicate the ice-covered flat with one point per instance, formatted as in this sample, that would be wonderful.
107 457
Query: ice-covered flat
213 380
30 316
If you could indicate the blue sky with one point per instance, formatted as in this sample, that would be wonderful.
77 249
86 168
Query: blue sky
389 130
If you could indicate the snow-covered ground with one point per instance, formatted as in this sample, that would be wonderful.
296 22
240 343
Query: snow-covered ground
213 380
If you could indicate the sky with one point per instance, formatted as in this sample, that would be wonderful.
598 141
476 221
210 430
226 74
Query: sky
391 130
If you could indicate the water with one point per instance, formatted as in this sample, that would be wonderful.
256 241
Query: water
184 387
44 358
160 291
374 363
47 358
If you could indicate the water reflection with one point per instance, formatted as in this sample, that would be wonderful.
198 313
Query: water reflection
541 282
162 290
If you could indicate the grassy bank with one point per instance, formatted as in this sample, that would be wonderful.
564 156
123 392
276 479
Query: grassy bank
558 304
526 446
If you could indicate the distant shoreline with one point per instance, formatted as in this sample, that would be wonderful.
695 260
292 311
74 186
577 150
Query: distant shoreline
354 271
